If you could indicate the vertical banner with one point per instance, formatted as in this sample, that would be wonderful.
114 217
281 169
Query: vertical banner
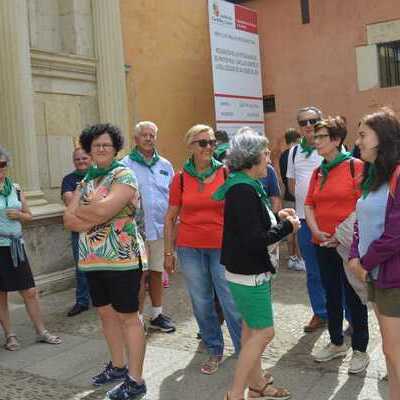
235 53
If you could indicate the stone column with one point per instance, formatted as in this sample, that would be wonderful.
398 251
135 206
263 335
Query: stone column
111 81
17 133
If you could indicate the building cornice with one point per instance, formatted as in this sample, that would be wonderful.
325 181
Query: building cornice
65 66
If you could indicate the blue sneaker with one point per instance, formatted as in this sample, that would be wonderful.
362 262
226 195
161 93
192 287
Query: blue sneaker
162 323
109 374
127 390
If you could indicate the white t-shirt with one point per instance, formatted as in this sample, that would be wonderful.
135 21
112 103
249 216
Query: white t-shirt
301 171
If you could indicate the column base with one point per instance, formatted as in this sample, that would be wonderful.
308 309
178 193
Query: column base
35 198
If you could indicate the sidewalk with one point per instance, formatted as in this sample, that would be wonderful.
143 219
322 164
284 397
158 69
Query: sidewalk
45 372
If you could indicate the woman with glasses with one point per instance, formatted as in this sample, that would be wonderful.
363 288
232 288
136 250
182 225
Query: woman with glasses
198 242
111 253
375 255
331 198
250 230
15 272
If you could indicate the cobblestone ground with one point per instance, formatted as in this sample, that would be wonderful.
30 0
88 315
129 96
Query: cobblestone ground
290 347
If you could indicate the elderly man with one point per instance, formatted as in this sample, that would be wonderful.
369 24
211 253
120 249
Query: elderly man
81 162
302 161
154 174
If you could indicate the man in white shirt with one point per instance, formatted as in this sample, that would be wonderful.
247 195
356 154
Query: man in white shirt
154 174
302 160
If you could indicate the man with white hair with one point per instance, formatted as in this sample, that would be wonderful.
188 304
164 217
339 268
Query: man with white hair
154 174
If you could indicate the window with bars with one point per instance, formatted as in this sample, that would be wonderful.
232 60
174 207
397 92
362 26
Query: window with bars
389 63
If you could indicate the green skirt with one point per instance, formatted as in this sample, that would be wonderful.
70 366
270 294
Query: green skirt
254 304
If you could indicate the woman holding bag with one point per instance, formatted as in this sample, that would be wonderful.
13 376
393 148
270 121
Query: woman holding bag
331 198
375 253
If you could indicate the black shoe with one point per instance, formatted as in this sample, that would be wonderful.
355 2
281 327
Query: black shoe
127 390
77 309
163 324
109 374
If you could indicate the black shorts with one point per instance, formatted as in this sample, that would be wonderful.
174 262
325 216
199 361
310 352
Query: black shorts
14 278
118 288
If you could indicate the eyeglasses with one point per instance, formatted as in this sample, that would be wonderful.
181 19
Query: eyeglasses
306 122
3 164
320 137
105 146
204 143
267 153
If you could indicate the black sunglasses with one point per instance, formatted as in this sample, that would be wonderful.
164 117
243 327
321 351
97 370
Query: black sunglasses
203 143
3 164
306 122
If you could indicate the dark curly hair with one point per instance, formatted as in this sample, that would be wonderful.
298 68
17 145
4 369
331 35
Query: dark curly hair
386 126
89 134
336 127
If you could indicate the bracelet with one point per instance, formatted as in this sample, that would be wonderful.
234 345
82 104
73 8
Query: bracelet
168 254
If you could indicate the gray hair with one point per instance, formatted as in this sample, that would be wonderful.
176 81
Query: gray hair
245 150
145 124
5 154
247 129
308 109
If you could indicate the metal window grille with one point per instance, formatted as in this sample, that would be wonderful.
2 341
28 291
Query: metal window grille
305 11
389 63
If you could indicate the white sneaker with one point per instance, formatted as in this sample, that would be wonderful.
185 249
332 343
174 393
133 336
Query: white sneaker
359 362
300 265
331 351
292 262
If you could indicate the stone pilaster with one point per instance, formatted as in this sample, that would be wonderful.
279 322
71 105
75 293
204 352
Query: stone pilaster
111 82
17 132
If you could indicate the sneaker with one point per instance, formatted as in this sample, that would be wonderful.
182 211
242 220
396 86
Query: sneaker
77 309
331 351
162 323
109 374
359 362
127 390
300 265
314 324
292 262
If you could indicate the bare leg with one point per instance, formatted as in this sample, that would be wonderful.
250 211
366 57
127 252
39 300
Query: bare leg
31 300
112 331
5 314
291 244
133 332
156 288
248 368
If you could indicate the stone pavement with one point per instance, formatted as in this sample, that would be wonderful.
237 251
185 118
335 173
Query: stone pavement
46 372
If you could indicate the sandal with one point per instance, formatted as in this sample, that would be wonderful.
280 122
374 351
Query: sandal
211 365
11 343
47 337
268 377
270 393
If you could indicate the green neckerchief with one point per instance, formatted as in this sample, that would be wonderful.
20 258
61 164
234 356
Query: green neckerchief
327 166
7 189
136 155
220 150
306 147
190 168
80 174
369 181
95 172
234 178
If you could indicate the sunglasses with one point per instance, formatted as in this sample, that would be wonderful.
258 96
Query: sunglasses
306 122
204 143
3 164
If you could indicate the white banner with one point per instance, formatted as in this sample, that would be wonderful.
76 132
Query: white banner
235 53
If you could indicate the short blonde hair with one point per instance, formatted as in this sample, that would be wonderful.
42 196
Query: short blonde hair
195 130
145 124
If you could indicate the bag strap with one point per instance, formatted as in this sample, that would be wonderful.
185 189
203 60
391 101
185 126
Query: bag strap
18 190
294 152
394 180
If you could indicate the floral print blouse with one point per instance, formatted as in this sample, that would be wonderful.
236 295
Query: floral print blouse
116 244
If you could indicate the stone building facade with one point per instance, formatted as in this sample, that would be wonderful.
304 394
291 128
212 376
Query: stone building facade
62 69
